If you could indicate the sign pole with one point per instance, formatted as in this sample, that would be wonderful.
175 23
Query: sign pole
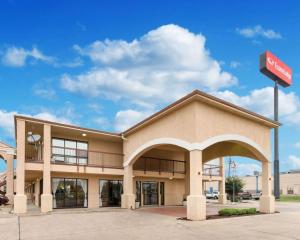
281 74
276 144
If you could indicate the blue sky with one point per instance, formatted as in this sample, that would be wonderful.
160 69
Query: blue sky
109 64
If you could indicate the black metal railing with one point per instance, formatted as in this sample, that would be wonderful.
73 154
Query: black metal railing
151 164
211 170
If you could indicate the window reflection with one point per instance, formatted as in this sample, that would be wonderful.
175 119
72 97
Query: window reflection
69 192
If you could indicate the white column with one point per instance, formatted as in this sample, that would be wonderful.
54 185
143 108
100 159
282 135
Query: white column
46 197
187 174
10 178
20 199
267 200
222 192
196 202
37 192
128 197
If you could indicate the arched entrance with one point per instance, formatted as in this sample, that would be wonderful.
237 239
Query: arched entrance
194 156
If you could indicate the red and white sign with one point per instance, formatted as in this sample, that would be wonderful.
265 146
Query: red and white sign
275 69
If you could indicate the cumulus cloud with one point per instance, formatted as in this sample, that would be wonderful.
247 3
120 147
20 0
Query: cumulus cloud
127 118
159 67
258 31
7 120
18 56
261 101
294 161
243 169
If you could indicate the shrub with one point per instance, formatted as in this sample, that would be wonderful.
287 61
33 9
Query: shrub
236 211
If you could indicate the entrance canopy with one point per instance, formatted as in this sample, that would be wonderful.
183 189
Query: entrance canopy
202 122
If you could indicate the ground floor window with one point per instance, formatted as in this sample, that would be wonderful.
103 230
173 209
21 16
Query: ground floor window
110 192
69 192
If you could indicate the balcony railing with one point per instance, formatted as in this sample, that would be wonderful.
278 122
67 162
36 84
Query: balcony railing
159 165
211 170
71 156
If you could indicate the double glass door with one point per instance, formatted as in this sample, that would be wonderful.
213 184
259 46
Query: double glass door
69 192
110 193
150 193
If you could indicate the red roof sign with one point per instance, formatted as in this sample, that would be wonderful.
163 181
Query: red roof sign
274 68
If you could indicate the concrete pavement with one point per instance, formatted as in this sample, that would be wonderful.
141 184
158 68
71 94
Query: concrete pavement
128 224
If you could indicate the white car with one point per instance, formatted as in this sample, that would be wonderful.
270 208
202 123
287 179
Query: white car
212 195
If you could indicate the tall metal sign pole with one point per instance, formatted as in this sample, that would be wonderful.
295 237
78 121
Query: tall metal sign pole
276 146
279 72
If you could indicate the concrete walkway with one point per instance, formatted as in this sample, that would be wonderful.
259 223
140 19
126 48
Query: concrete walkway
128 224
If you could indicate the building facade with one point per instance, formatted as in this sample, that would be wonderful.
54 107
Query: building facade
289 183
160 161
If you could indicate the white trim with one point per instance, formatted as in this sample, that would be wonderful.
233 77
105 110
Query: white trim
196 146
158 141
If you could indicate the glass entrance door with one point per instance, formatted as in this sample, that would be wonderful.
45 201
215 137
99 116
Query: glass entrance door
150 193
110 193
162 193
69 192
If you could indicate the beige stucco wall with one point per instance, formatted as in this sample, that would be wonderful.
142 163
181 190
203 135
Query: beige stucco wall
287 181
212 121
197 122
179 124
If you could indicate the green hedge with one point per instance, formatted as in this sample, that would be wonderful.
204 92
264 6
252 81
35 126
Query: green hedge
236 211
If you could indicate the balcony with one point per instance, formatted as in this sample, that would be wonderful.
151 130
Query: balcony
159 165
211 170
72 156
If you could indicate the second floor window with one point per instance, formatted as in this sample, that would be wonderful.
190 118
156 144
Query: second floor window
69 151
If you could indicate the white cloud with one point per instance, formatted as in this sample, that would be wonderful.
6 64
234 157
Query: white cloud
258 31
261 101
7 120
244 169
160 66
297 145
18 56
235 64
294 161
127 118
47 93
102 122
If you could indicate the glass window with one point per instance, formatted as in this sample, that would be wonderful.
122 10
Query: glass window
70 144
82 145
69 151
69 192
58 142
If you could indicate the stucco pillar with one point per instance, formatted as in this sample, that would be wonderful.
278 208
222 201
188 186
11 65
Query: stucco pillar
10 178
20 199
128 197
267 200
46 197
222 192
37 192
196 202
187 174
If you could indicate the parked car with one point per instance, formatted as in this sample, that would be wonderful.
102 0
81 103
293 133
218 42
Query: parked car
245 195
256 196
212 195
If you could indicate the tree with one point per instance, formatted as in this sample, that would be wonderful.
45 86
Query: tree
235 183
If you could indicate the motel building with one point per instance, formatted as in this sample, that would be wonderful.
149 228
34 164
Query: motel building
161 161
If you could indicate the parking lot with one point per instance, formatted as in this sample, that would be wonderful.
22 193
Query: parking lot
145 224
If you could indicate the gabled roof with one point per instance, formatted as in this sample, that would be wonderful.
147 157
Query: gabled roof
195 95
212 100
